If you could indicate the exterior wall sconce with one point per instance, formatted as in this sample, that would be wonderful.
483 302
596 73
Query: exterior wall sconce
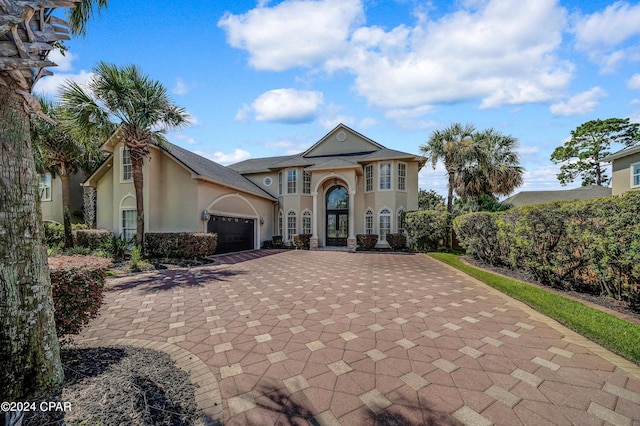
205 216
262 221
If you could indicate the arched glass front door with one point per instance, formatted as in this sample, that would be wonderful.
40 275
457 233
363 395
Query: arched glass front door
337 208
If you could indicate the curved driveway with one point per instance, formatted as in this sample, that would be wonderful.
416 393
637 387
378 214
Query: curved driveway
327 338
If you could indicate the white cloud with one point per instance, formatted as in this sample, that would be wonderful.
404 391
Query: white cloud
524 149
494 52
581 103
288 147
180 87
602 35
411 118
182 137
634 82
292 33
367 123
50 86
287 106
226 158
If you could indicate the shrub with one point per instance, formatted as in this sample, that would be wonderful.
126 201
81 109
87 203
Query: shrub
180 245
397 241
77 284
116 247
367 241
479 235
91 238
277 241
54 234
302 241
591 246
428 230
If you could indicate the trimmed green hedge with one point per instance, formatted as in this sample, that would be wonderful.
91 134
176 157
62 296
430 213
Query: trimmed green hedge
428 230
397 241
180 245
91 238
591 246
366 241
77 284
302 241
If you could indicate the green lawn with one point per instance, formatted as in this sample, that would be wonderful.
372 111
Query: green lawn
615 334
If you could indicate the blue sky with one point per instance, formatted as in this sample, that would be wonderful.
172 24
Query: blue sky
271 78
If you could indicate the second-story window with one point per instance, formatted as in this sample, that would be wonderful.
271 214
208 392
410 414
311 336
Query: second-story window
306 183
292 180
368 178
385 176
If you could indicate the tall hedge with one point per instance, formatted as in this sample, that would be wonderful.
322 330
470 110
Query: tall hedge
428 230
180 245
591 246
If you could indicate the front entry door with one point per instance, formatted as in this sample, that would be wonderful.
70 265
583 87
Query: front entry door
337 228
337 206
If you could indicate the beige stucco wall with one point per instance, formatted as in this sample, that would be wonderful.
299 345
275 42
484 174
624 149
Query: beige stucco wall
105 202
258 179
621 176
52 209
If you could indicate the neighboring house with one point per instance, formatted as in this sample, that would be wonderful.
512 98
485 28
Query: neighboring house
626 169
343 185
538 197
51 198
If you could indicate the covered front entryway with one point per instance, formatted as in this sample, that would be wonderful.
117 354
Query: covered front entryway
337 209
234 233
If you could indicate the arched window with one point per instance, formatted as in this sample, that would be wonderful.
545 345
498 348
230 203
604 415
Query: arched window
385 223
368 222
338 198
291 225
306 222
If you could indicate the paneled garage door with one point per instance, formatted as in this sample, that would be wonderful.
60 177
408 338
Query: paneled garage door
234 233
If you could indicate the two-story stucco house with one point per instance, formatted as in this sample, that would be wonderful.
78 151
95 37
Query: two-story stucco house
343 185
51 198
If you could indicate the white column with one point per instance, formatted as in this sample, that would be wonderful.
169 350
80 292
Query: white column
314 215
352 209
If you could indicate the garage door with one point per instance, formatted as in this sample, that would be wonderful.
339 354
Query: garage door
234 233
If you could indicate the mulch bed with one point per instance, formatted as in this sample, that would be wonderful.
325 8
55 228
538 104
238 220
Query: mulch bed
119 386
604 301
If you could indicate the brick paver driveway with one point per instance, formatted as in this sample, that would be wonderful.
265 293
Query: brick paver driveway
301 337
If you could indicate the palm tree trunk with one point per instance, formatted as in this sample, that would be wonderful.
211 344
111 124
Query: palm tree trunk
136 163
66 211
450 193
29 350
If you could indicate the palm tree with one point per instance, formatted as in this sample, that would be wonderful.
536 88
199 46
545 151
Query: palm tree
495 171
29 350
58 152
455 147
123 99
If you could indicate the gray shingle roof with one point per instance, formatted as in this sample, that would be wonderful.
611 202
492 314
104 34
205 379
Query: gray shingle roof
538 197
212 170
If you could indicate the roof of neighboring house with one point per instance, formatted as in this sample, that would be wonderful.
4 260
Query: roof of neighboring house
538 197
210 169
622 153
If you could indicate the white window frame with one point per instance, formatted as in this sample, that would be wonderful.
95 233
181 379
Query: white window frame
128 232
386 213
292 182
398 220
306 222
125 166
368 178
46 181
633 175
368 222
402 176
292 224
306 182
388 179
280 183
281 224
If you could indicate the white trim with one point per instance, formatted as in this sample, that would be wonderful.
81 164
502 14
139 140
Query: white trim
305 173
295 216
406 168
295 181
331 177
631 175
398 210
280 183
366 213
310 216
122 179
381 237
42 187
280 224
391 174
373 178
